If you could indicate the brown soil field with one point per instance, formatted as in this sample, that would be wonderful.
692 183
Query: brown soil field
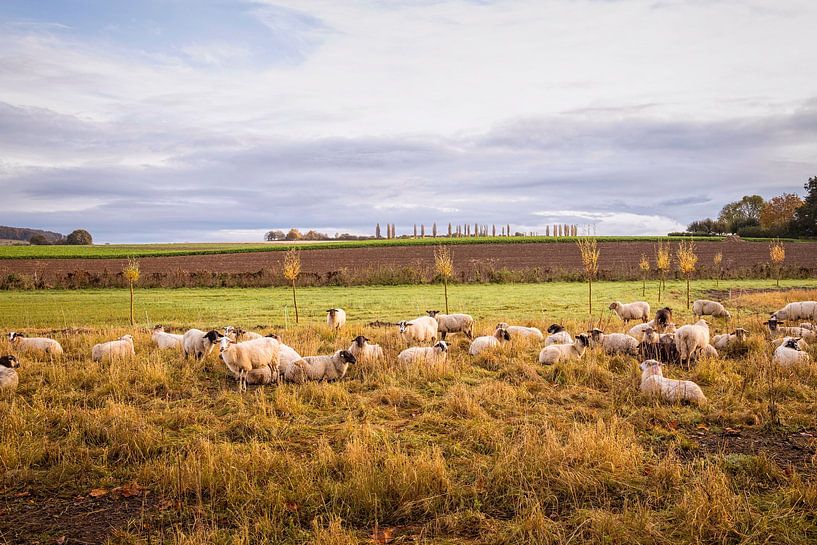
618 260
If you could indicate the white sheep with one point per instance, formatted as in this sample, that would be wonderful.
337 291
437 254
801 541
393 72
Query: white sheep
199 344
422 329
335 318
558 335
287 356
8 374
522 332
640 310
776 330
321 368
120 349
485 342
709 351
691 338
34 345
240 335
705 307
722 342
562 352
654 383
242 359
808 325
801 344
453 323
614 343
789 353
424 354
800 310
165 340
363 350
637 331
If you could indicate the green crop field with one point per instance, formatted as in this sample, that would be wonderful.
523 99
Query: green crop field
495 449
155 250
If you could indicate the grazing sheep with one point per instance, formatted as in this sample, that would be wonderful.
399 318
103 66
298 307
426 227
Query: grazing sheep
424 354
34 345
8 374
485 342
422 329
776 330
789 353
663 320
121 348
328 368
558 335
453 323
614 343
801 310
690 339
336 318
362 349
563 352
654 383
165 340
640 310
721 342
709 351
199 344
704 307
258 355
522 332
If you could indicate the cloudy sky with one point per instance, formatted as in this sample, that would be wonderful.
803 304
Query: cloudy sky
197 120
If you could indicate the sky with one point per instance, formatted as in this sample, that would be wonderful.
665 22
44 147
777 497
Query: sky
217 120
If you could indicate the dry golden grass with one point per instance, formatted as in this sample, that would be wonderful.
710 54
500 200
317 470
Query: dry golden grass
496 449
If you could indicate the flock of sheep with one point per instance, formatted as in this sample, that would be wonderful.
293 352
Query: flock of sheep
251 358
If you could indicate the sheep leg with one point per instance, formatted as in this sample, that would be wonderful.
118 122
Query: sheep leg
442 335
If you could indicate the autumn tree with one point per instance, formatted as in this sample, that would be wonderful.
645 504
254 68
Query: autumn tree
294 234
444 265
662 264
131 274
589 250
805 219
778 212
743 213
687 259
292 268
777 253
79 237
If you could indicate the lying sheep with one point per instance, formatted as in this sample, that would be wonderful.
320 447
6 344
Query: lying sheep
120 349
422 329
328 368
704 307
336 318
287 357
8 373
34 345
424 354
789 354
803 345
522 332
808 325
165 340
362 349
663 320
452 323
199 344
485 342
801 310
564 352
258 357
637 331
709 351
240 335
722 342
776 330
614 343
654 383
640 310
558 335
690 339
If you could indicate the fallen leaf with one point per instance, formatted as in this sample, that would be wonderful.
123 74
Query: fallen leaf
731 431
383 536
22 494
129 490
60 540
98 492
702 427
291 506
672 424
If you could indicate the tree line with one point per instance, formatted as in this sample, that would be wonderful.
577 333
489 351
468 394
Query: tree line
452 231
786 215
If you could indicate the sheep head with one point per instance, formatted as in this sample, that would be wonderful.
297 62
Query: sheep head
9 361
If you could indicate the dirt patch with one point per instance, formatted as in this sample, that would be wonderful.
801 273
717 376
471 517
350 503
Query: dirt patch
478 262
796 450
30 519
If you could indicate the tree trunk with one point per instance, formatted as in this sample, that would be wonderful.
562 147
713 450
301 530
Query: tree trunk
295 301
445 288
590 294
687 293
132 322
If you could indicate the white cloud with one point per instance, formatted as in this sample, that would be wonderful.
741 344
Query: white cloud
610 223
